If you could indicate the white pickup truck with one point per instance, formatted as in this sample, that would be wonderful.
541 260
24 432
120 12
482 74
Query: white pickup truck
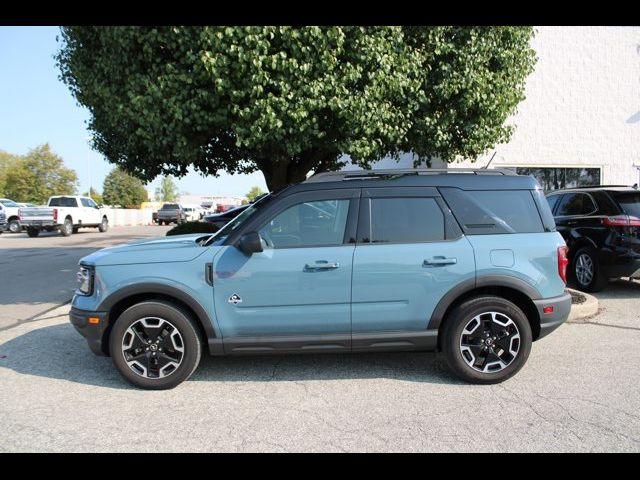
66 213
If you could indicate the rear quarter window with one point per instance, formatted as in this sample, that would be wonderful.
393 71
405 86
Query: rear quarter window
483 212
629 202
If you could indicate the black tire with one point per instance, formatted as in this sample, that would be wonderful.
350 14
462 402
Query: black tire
452 335
75 229
67 227
180 320
14 226
104 225
585 258
33 232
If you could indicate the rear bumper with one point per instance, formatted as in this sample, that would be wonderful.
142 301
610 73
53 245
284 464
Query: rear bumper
561 307
93 332
26 223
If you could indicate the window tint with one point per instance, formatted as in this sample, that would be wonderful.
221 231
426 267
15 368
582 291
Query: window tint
629 202
86 202
482 212
63 202
406 220
319 223
575 204
552 200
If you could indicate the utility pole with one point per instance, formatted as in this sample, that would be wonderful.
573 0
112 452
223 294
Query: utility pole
88 139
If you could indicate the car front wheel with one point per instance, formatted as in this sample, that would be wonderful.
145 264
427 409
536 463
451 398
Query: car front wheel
155 345
486 339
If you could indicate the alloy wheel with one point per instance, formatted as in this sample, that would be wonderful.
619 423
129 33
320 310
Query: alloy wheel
153 347
584 269
490 342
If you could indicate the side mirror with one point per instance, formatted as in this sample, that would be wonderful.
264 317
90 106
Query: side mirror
250 243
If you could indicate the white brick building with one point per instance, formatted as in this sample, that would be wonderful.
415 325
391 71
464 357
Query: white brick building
582 109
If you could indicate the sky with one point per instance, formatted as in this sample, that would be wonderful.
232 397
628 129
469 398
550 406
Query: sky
36 108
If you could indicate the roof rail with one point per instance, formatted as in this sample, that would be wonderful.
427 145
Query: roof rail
401 172
595 186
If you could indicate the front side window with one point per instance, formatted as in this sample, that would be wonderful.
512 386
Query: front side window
576 204
552 200
406 220
309 224
87 203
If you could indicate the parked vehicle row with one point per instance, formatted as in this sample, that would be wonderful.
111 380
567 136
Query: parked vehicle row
465 262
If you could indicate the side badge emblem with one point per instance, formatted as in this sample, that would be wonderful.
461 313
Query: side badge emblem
235 299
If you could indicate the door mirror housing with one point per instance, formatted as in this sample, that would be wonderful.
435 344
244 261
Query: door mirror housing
250 243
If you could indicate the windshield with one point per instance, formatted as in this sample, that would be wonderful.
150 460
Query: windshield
225 231
629 201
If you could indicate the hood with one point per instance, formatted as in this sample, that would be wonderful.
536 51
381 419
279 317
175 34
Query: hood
177 248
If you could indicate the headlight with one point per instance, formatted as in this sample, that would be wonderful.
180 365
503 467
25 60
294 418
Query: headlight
85 280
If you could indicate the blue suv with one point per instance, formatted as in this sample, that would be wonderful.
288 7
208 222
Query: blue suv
467 262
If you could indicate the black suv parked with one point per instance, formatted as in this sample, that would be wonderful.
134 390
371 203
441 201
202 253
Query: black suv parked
601 226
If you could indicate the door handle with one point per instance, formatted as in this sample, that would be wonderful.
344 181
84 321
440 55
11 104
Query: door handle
320 265
439 262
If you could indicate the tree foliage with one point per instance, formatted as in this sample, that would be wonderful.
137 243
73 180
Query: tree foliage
36 176
253 193
123 189
288 100
95 195
167 191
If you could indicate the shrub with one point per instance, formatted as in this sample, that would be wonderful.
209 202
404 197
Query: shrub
193 227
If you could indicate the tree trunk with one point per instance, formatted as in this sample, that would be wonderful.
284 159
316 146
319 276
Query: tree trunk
281 172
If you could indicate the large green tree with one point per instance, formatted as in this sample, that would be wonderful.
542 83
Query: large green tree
167 191
37 175
123 189
288 100
7 160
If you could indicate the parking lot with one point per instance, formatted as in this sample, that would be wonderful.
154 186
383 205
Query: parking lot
578 391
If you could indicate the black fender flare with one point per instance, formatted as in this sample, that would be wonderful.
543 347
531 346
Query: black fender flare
471 284
203 317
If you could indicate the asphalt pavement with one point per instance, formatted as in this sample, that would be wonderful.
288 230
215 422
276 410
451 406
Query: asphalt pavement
38 274
578 392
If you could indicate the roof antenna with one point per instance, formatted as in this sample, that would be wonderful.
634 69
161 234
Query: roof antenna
490 160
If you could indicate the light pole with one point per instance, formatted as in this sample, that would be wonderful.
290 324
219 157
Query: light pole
88 139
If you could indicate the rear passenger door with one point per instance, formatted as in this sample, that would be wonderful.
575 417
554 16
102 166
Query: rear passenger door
410 252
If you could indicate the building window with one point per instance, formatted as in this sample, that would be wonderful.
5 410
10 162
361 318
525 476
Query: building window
555 178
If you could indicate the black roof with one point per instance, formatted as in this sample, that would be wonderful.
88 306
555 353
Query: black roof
465 179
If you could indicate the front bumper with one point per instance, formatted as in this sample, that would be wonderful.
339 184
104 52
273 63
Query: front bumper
561 307
93 332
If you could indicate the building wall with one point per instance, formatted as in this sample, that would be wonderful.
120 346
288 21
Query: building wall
583 104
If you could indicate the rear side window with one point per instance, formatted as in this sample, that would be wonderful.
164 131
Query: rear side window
552 200
482 212
576 204
63 202
406 220
629 202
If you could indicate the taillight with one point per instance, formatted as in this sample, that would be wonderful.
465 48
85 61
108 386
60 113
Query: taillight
621 221
55 214
563 261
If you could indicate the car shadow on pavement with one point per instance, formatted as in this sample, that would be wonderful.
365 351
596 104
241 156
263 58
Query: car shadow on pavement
621 288
58 352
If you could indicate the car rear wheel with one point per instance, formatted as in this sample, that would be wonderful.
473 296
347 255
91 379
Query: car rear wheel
155 345
104 225
486 340
586 271
67 227
33 232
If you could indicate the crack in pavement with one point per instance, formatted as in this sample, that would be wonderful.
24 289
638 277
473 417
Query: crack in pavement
36 317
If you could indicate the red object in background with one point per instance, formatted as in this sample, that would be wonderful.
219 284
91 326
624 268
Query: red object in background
221 208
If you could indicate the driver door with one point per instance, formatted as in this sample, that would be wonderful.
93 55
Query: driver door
296 294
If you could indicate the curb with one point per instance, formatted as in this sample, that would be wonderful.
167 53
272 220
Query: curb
582 310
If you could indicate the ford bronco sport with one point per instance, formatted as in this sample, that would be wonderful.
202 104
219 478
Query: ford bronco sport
467 262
